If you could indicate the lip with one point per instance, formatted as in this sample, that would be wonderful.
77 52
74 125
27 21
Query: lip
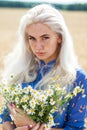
40 53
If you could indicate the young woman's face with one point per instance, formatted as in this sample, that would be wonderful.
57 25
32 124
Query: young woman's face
43 41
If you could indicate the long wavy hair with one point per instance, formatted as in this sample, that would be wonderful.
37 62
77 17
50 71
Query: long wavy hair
22 65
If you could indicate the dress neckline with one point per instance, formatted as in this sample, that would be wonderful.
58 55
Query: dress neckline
42 63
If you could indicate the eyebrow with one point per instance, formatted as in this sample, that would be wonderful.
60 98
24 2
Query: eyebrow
40 36
44 35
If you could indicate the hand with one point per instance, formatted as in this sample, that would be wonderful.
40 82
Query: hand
36 127
21 128
19 117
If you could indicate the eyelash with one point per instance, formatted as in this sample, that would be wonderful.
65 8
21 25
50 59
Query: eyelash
30 38
43 38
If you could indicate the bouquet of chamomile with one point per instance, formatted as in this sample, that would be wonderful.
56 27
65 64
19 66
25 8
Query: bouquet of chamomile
38 104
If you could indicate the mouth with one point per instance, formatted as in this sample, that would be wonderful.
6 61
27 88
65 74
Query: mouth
40 53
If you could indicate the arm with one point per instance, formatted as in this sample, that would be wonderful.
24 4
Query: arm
77 112
75 115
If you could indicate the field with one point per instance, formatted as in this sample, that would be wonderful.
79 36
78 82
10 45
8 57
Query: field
76 22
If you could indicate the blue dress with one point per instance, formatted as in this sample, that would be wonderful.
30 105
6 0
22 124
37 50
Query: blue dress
72 118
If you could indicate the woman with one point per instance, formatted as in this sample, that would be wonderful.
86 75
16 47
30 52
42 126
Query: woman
45 50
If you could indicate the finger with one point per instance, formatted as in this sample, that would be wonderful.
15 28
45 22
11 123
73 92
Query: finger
19 110
42 127
11 108
15 111
22 128
11 105
29 127
36 127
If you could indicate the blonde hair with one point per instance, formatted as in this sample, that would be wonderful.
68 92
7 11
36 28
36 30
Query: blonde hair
23 65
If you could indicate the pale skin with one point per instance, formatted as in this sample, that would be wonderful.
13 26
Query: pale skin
44 43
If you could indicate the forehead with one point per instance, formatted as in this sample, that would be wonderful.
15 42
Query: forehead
38 29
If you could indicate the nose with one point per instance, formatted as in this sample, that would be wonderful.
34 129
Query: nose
39 46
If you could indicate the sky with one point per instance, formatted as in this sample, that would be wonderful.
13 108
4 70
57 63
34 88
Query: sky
56 1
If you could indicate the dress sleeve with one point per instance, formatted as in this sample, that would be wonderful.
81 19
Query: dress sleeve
76 111
5 116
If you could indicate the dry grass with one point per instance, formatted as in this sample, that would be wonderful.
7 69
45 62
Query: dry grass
76 22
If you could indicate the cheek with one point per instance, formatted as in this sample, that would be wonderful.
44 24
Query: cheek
32 49
31 46
51 50
53 47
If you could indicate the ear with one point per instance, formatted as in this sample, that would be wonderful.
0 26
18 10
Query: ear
59 39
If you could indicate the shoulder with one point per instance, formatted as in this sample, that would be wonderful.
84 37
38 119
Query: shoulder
80 74
81 78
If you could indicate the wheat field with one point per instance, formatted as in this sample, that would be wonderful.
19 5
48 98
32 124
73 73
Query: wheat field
76 22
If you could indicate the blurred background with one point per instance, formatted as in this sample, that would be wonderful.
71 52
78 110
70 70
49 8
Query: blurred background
73 11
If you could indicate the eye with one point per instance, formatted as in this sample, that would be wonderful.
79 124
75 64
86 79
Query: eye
31 38
45 37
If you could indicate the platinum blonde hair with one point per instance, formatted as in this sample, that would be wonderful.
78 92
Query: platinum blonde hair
22 63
